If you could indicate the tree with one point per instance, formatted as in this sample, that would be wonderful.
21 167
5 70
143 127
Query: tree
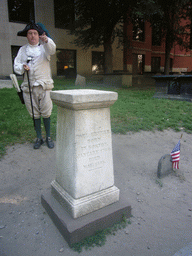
99 22
169 19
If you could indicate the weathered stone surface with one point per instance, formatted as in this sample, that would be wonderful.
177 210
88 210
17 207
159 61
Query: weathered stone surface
80 80
90 203
164 166
83 99
84 163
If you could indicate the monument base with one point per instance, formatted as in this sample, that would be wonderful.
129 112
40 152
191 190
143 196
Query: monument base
75 230
87 204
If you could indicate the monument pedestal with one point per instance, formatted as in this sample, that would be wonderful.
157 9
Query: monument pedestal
75 230
86 204
84 180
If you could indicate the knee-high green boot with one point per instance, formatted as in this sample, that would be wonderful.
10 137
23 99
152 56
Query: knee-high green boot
39 140
47 124
38 127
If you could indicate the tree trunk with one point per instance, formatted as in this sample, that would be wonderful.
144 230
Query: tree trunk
108 57
125 42
167 63
169 40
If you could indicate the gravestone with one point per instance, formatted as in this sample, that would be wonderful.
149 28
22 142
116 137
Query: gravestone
164 166
83 196
80 80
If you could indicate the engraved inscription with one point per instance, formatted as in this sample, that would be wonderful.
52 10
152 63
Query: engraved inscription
91 148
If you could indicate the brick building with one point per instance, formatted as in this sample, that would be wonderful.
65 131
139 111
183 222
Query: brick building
146 52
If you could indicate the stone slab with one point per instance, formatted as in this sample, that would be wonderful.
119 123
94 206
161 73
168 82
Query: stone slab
75 230
174 87
164 166
83 98
80 80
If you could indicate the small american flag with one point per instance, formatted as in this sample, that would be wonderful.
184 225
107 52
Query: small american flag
175 154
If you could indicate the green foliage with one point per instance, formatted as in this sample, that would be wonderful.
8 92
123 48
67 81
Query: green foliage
137 110
93 27
159 181
15 123
100 22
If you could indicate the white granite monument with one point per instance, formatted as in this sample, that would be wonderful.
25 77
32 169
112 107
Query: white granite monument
84 162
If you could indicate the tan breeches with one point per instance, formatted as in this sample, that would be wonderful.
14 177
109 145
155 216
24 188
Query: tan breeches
42 103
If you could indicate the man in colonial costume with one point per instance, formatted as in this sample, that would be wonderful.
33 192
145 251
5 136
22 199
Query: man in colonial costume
33 60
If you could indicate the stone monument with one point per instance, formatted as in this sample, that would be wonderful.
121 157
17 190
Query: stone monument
84 181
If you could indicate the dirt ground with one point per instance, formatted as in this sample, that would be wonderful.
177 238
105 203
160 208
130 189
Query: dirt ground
162 215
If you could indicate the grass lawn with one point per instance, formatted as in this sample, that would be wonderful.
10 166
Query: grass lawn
134 110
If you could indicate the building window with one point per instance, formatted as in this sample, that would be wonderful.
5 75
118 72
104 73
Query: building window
190 43
21 11
14 51
97 62
155 64
64 11
66 63
138 30
138 64
156 35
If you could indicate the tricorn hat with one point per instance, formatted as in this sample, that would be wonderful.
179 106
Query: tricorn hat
29 26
